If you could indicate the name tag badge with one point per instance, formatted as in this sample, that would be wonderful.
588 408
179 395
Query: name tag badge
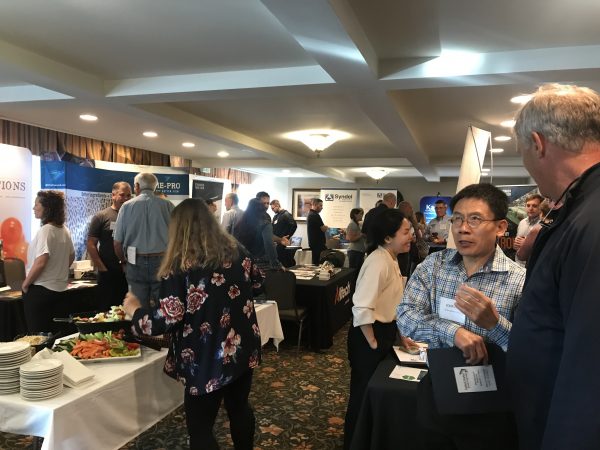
131 255
112 225
450 312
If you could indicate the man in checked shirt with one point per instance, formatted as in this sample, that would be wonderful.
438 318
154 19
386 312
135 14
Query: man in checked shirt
465 297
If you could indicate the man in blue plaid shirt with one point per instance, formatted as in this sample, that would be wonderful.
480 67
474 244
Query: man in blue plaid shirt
464 298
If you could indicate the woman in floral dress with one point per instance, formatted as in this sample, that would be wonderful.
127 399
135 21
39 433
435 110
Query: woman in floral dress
206 307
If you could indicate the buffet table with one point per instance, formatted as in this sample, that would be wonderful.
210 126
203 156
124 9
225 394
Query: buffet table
267 316
329 304
125 398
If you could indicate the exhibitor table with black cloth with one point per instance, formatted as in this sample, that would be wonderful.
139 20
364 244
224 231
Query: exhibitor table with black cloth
387 418
329 304
12 315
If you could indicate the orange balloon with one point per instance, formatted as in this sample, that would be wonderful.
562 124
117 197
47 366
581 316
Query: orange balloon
18 250
11 231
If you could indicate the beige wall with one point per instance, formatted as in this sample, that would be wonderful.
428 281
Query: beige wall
411 188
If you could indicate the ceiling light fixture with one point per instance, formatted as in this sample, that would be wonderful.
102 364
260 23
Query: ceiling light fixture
286 170
188 144
150 134
521 99
318 140
502 138
496 150
508 123
223 154
88 117
377 173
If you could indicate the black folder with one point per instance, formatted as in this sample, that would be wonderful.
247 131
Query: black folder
442 362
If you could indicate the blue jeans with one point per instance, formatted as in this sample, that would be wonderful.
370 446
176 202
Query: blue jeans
142 280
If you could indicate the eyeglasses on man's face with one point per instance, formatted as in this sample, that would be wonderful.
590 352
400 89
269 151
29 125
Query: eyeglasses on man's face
473 220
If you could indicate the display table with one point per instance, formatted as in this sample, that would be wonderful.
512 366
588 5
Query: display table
267 316
12 315
329 304
387 418
126 398
78 297
304 256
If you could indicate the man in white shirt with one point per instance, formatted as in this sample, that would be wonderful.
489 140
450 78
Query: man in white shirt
233 214
436 232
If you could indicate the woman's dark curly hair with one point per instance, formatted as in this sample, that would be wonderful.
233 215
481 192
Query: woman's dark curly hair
53 203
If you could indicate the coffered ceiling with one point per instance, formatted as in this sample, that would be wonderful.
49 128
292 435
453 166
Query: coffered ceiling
404 78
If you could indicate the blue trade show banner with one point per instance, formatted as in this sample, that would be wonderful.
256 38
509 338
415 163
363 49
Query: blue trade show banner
427 206
88 190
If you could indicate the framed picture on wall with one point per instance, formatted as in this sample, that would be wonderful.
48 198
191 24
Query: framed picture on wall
301 200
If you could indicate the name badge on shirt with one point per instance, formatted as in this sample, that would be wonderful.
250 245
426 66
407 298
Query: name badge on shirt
131 255
450 312
112 225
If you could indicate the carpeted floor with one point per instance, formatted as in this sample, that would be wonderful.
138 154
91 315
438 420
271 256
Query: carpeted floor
299 402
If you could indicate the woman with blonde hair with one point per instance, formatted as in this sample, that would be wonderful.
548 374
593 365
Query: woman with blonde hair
206 306
49 257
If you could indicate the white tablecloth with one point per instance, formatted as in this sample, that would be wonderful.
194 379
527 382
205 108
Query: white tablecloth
267 316
126 398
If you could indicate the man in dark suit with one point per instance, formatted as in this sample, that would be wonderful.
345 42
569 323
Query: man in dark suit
284 225
316 229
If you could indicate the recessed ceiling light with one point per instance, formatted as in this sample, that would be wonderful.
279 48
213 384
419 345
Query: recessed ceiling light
502 138
496 150
150 134
188 144
88 117
508 123
521 99
223 154
286 170
486 170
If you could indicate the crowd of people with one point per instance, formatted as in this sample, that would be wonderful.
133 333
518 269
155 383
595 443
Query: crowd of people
186 274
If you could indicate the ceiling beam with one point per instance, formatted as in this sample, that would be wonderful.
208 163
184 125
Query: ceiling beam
49 74
316 27
190 123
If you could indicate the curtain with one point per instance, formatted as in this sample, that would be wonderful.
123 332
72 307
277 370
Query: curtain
42 140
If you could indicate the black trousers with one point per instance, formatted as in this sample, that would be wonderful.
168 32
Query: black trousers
112 287
41 306
316 254
363 362
201 412
356 260
492 431
285 256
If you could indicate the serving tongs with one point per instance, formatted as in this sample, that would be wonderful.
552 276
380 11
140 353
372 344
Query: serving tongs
142 340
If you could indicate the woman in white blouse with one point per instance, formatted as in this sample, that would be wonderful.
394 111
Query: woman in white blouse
49 256
379 288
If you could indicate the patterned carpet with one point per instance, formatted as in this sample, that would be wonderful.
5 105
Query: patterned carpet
299 402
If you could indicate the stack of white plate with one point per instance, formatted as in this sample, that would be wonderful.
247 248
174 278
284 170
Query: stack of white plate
41 379
12 355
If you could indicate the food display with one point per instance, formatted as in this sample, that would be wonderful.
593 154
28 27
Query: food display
94 321
116 314
34 339
99 346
